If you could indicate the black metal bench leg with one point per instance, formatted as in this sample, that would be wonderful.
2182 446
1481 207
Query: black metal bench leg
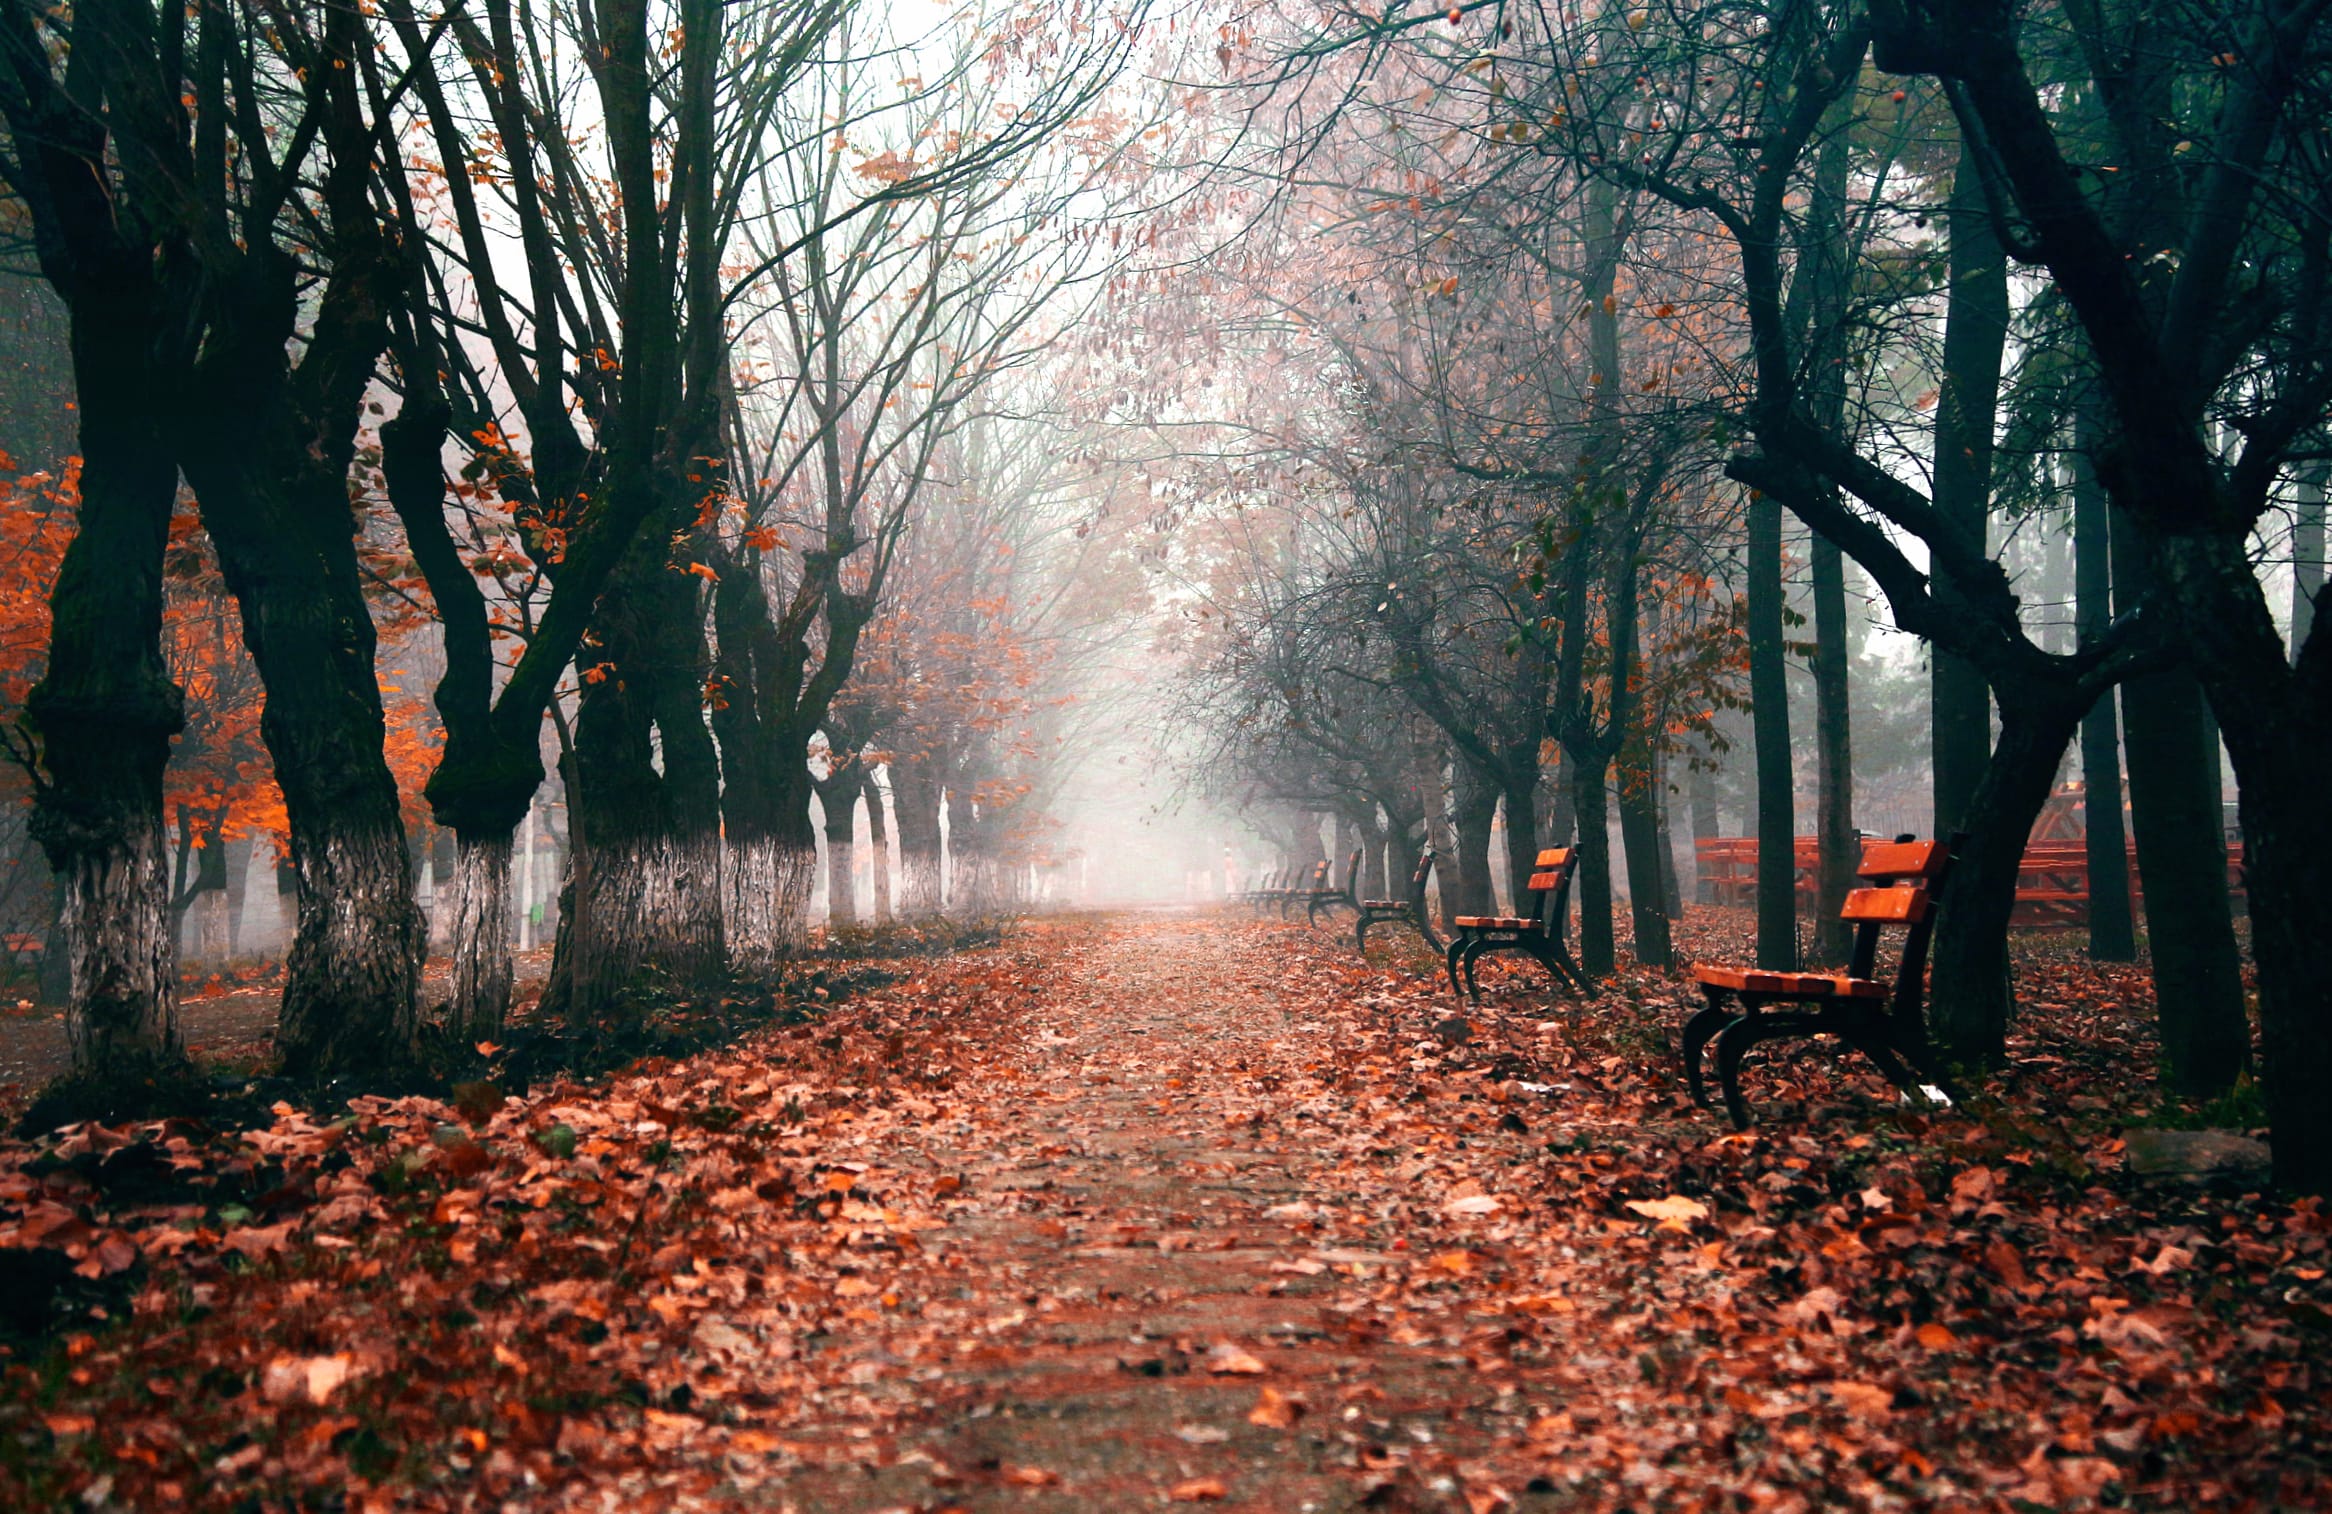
1457 947
1475 950
1734 1041
1698 1032
1360 934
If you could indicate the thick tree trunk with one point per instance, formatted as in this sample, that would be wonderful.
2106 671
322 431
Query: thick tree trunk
1971 998
1598 953
1837 848
106 709
2112 922
1648 874
1470 891
915 799
647 897
476 902
1975 332
1777 904
354 967
636 914
769 879
2172 751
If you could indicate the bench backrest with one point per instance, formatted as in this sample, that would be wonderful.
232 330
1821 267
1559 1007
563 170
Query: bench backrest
1424 870
1319 876
1907 873
1352 874
1550 887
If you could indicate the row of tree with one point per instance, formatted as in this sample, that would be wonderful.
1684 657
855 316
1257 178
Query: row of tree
1566 308
641 360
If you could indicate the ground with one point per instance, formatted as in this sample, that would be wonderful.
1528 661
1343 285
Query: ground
1141 1210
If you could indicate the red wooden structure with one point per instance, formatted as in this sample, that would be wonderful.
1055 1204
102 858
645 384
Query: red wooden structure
2052 887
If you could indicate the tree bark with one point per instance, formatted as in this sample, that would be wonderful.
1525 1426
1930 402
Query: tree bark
645 870
2172 751
879 843
841 856
478 900
1975 330
1640 837
2307 556
1837 847
915 799
2112 923
1777 905
1598 952
1476 804
1971 997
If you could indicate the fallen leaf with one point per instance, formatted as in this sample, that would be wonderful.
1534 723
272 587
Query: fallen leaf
1199 1490
1275 1410
310 1379
1676 1212
1032 1477
1228 1358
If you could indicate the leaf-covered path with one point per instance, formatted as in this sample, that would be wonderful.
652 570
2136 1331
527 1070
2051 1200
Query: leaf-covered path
1169 1234
1141 1210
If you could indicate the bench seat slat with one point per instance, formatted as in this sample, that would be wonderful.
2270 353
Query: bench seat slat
1812 985
1902 859
1495 922
1904 903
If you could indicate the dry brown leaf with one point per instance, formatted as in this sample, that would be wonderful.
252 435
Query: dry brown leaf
1275 1410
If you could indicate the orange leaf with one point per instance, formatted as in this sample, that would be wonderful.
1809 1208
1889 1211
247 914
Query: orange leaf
1199 1490
1275 1410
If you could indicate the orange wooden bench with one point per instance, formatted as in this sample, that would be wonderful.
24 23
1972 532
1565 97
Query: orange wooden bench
1877 1018
1318 899
1538 935
1410 911
1304 883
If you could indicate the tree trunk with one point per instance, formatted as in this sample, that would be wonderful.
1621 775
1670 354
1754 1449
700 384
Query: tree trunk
841 856
1837 847
1476 804
1700 791
1671 885
1975 330
2307 556
769 879
2172 751
477 902
645 872
1520 793
1970 997
106 709
2112 925
1640 837
1598 954
878 843
915 809
1777 904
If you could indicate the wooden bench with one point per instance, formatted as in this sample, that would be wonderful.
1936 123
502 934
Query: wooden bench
1274 889
1318 899
1538 935
1878 1019
1410 911
1306 883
